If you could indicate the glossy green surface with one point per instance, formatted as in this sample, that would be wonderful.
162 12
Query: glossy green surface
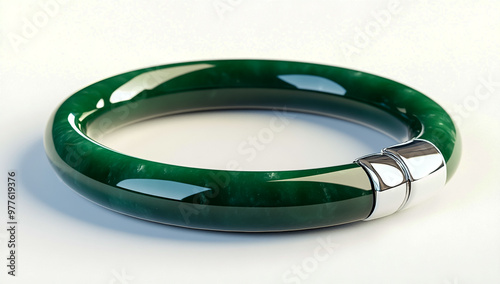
234 200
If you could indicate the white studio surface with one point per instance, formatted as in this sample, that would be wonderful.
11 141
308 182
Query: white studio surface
449 50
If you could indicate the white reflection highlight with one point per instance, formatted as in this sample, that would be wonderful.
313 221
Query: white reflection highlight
100 103
151 80
422 166
391 176
71 120
313 83
162 188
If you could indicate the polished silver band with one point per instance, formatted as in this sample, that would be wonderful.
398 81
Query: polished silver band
403 175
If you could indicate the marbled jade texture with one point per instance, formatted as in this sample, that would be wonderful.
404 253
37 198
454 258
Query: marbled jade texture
233 200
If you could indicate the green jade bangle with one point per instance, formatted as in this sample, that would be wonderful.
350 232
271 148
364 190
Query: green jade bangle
372 186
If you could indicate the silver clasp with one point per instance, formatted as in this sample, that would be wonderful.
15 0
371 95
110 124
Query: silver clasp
403 175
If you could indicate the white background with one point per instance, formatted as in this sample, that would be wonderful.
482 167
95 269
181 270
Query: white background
449 50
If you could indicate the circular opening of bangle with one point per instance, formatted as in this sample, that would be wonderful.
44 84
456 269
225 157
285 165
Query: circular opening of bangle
279 116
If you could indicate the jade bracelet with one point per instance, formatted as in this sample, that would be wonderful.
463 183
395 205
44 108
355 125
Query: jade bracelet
370 187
